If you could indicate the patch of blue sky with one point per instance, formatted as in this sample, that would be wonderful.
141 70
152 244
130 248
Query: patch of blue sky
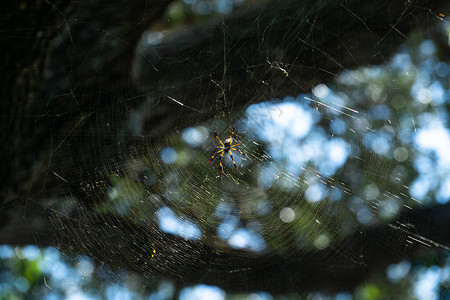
288 129
58 270
438 94
426 92
170 223
240 239
441 69
427 284
406 124
246 238
202 292
402 62
373 72
153 37
6 252
443 193
228 226
335 194
421 83
169 155
315 192
427 48
223 210
223 6
74 284
379 142
84 296
289 151
389 208
85 266
295 163
434 119
423 164
321 91
380 112
274 122
115 292
312 148
202 7
193 136
396 272
337 103
260 296
333 102
442 116
31 252
435 138
52 296
343 296
51 255
336 153
327 154
350 77
165 291
364 215
257 242
427 66
22 284
421 186
338 127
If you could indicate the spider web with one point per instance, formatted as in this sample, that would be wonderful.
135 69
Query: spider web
325 165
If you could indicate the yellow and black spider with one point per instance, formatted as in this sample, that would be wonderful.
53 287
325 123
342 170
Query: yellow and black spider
226 148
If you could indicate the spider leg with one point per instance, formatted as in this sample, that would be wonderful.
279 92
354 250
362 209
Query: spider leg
231 136
220 162
231 155
215 155
240 152
215 134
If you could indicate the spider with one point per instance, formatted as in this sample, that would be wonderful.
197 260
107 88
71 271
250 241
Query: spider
226 148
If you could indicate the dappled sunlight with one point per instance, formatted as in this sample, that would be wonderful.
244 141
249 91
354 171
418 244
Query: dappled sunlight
68 277
202 292
287 129
170 223
301 145
325 178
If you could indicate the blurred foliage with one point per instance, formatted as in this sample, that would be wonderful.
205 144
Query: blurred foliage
188 12
32 273
151 181
384 109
